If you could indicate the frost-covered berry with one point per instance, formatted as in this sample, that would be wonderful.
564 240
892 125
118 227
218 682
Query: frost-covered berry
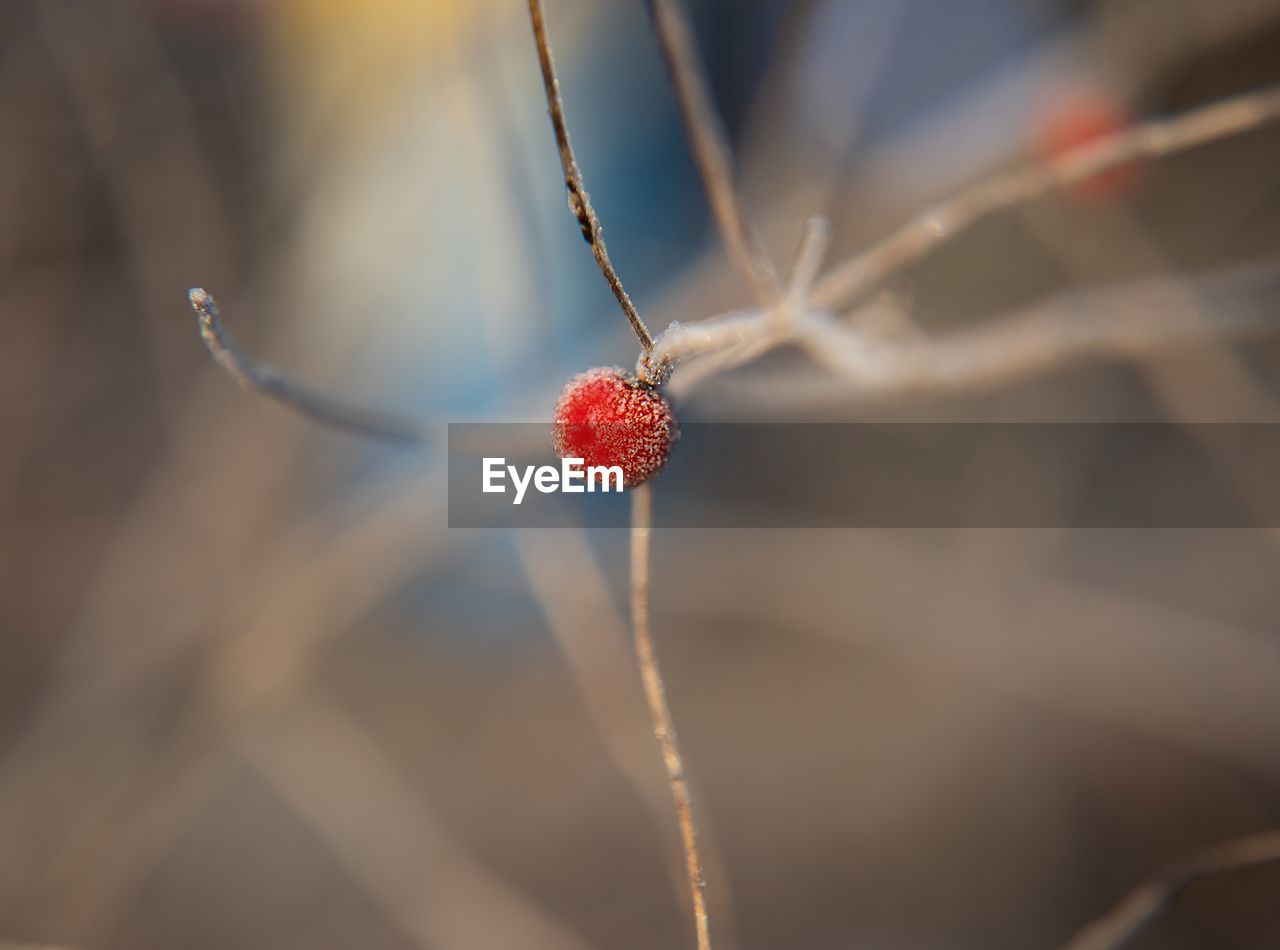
606 416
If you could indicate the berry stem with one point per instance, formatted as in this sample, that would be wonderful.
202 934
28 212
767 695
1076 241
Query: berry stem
655 693
579 200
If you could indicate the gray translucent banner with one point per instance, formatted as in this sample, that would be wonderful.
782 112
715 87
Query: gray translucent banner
901 475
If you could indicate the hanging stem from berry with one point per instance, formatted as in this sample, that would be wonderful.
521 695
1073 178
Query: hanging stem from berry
255 377
656 695
579 200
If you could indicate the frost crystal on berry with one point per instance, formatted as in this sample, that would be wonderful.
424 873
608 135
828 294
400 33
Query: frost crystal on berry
606 417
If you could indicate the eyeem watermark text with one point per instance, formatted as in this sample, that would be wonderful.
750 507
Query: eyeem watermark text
573 476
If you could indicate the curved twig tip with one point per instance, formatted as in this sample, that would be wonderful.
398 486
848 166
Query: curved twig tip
255 377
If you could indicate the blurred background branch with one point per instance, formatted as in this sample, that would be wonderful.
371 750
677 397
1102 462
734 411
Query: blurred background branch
1121 925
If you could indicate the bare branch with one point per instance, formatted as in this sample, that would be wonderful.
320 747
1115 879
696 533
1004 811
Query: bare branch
579 200
1127 322
939 224
722 361
809 255
1148 900
849 282
711 150
684 340
656 695
265 380
735 339
1130 321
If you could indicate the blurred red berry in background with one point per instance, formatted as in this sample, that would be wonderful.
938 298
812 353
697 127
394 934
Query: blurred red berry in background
1078 117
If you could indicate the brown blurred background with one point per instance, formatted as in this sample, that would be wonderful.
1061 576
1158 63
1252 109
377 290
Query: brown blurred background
255 694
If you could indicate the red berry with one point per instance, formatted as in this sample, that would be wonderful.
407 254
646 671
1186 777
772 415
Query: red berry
1075 119
606 416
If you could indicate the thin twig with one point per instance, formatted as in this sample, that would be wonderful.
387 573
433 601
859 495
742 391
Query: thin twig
711 149
1148 900
680 341
579 200
732 339
259 378
1128 322
927 231
656 695
808 259
847 283
722 361
572 590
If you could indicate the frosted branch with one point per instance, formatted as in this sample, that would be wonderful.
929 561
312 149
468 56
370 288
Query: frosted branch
919 237
1129 321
